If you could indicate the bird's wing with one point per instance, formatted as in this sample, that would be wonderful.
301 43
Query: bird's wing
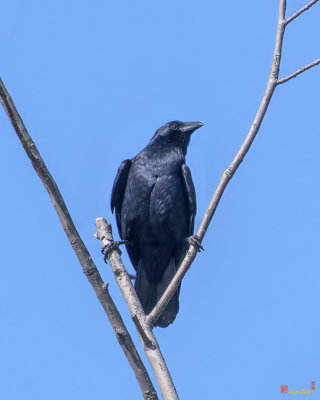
118 189
191 195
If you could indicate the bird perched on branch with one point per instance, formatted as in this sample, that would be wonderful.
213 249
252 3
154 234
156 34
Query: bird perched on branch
155 202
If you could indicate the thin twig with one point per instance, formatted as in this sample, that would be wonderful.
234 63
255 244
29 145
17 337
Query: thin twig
79 247
287 78
303 9
230 171
150 344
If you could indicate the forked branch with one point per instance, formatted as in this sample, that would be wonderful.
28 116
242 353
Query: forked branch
144 324
150 344
230 171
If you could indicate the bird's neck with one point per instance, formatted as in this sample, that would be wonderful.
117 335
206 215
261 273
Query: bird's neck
165 151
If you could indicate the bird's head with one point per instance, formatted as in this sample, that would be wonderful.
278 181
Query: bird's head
175 133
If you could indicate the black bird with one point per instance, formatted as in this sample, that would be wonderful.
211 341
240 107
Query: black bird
155 202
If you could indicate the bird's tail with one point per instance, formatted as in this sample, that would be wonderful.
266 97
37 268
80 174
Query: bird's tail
149 292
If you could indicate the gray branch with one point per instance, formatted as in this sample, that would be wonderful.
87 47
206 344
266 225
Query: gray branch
303 9
144 324
150 344
230 171
89 268
287 78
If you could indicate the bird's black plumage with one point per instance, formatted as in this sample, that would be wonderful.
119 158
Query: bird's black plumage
155 202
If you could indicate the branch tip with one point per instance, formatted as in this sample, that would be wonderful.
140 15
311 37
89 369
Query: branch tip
298 72
299 12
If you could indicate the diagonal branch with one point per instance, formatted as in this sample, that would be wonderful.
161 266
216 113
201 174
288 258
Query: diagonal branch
287 78
89 268
230 171
150 344
125 341
303 9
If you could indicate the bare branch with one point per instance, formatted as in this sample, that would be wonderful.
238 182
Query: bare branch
79 247
303 9
145 340
127 344
150 344
287 78
230 171
144 324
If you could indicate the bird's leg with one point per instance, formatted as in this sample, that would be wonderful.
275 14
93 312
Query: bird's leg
132 277
195 241
111 246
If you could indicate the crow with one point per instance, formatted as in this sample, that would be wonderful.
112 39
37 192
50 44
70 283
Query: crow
155 202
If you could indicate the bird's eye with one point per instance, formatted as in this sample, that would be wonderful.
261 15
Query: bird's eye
174 127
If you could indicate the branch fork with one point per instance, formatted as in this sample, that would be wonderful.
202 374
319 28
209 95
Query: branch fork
230 171
149 341
144 323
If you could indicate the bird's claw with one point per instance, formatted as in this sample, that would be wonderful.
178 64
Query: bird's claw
111 246
195 241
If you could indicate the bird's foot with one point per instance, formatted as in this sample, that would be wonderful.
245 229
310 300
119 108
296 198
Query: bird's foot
111 246
132 277
195 241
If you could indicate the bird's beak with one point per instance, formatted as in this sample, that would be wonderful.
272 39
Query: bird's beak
189 127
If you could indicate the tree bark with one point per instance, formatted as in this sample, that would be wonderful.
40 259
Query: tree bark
230 171
79 247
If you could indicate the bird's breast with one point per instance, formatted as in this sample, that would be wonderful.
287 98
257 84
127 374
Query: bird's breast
155 198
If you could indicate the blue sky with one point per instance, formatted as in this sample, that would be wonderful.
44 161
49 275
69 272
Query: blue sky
93 81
